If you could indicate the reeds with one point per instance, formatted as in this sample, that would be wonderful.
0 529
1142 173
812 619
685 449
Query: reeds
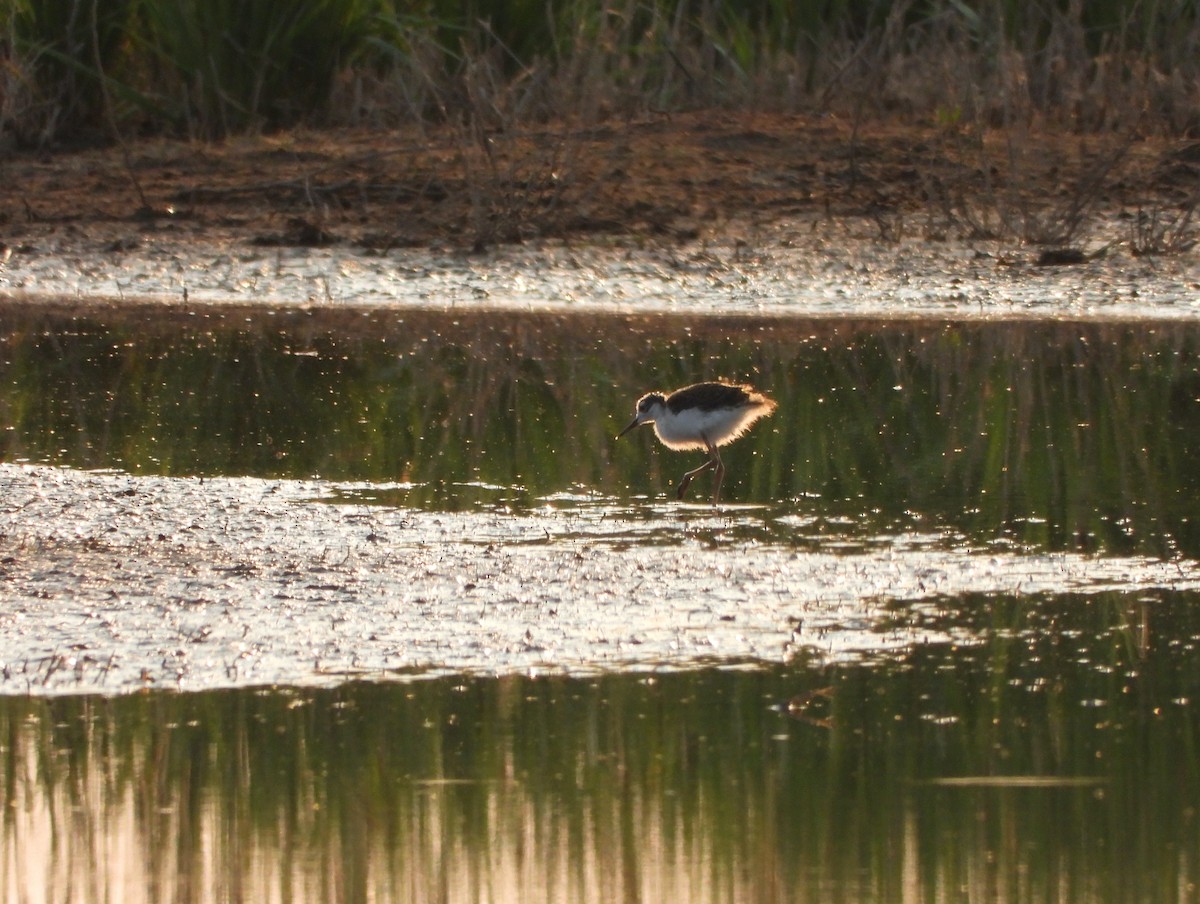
1162 231
208 68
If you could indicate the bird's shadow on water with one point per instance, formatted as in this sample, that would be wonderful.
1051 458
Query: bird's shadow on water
490 514
514 516
650 522
495 513
792 526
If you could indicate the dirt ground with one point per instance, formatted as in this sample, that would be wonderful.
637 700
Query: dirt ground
669 178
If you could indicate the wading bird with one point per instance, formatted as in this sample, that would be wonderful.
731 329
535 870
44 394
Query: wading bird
701 416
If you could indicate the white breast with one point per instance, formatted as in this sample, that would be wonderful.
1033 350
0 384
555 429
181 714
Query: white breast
683 430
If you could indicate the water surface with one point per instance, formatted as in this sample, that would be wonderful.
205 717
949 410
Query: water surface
1053 761
1067 435
370 605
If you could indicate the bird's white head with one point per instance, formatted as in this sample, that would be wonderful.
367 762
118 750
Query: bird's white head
649 407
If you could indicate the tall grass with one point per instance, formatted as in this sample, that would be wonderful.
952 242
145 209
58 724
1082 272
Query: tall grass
227 66
209 68
56 55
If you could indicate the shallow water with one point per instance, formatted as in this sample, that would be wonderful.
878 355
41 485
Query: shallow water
1054 761
1066 435
439 635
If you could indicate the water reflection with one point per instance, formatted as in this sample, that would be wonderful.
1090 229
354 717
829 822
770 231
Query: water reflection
1048 754
1013 769
1061 435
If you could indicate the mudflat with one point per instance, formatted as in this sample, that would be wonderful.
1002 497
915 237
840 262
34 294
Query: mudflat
665 178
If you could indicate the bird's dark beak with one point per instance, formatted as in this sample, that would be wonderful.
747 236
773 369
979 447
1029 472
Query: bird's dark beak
632 424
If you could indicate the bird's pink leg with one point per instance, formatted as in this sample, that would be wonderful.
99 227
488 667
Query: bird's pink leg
714 463
687 478
719 467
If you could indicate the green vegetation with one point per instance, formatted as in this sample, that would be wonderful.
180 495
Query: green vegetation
208 68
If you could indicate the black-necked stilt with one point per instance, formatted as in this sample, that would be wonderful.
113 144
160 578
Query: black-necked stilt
702 416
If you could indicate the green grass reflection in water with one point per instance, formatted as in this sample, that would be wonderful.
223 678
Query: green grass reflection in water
904 780
1060 435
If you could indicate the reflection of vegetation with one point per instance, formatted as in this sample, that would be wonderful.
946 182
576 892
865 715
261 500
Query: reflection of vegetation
1059 435
699 785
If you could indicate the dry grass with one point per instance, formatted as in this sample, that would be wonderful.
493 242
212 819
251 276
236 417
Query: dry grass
501 135
1157 230
1106 67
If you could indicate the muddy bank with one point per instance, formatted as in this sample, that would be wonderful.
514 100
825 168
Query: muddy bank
694 214
828 273
662 179
113 582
